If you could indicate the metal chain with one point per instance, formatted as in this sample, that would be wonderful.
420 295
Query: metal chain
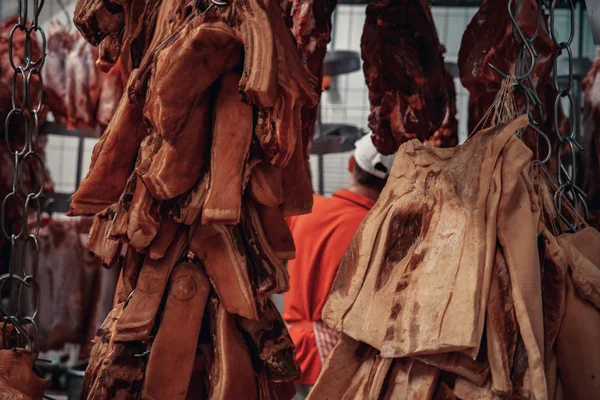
566 174
525 64
22 236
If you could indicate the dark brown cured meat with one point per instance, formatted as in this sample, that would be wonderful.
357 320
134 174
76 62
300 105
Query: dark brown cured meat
171 99
229 153
489 39
221 251
232 374
271 345
140 24
114 372
177 338
138 317
112 161
404 70
311 26
97 19
100 243
271 276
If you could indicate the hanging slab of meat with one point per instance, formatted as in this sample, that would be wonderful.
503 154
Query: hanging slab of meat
591 133
377 296
54 72
185 151
518 219
231 372
189 207
17 379
489 39
114 371
116 151
169 111
111 90
144 220
404 71
501 327
229 153
271 344
100 242
139 316
175 343
112 161
221 251
271 275
157 207
265 185
97 19
447 134
311 22
130 272
140 24
83 85
577 360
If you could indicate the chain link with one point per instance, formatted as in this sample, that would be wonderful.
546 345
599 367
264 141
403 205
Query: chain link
525 64
566 171
20 283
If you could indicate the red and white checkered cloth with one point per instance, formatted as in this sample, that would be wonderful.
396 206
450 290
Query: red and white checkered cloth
326 339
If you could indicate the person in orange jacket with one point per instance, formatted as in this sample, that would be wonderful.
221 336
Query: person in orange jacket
322 238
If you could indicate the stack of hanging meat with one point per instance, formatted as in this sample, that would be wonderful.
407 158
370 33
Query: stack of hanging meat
191 181
489 39
411 93
79 92
591 133
73 313
453 287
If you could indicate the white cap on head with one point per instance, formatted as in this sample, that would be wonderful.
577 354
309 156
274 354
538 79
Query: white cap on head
370 160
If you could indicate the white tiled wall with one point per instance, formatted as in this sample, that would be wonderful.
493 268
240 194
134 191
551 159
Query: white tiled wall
349 104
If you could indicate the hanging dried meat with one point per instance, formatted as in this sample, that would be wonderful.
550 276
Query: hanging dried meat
591 133
454 288
80 94
200 202
405 73
489 39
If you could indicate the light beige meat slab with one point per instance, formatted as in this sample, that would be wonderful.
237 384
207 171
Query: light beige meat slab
578 354
416 277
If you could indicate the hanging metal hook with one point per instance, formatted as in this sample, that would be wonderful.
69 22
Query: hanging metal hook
216 3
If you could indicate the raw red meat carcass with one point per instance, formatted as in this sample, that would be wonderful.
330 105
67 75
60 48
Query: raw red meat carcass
80 94
54 72
489 39
404 70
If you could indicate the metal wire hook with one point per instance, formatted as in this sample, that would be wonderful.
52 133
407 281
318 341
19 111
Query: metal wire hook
216 3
